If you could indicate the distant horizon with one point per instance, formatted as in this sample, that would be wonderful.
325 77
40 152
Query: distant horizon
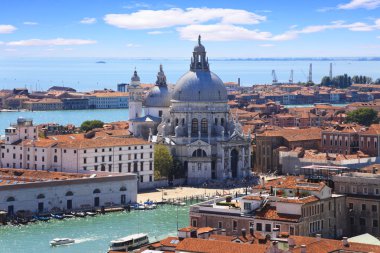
100 58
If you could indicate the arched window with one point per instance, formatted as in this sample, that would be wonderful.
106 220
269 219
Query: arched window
40 196
55 159
10 199
204 126
96 191
123 189
69 193
199 153
176 122
194 126
183 122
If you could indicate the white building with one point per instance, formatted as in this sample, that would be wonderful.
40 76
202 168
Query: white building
42 191
199 129
108 100
157 103
75 152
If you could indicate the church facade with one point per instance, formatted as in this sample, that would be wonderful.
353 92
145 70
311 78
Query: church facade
198 128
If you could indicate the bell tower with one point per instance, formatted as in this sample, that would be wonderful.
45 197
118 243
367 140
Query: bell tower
135 97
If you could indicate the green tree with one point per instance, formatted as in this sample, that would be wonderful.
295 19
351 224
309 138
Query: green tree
377 81
88 125
326 81
363 116
163 161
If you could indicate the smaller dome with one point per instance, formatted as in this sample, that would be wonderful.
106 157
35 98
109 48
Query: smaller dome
135 77
158 96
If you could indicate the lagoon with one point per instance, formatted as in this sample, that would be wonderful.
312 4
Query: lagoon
93 234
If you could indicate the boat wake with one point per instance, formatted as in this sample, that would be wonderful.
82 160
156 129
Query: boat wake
87 239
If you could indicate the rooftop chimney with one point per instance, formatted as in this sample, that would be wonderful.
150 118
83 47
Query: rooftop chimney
303 248
318 236
223 232
244 232
291 243
275 233
251 230
345 242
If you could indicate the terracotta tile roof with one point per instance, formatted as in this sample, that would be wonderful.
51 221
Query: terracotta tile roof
327 245
187 229
305 200
252 197
203 230
226 238
374 129
102 142
295 134
213 246
292 182
168 242
270 213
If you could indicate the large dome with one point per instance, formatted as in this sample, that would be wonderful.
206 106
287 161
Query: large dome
200 85
158 96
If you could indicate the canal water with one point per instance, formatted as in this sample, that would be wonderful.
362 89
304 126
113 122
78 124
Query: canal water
64 117
93 234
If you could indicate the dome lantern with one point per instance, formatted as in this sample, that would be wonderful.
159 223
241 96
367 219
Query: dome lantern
199 60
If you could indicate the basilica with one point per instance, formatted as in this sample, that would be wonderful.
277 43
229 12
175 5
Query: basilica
193 119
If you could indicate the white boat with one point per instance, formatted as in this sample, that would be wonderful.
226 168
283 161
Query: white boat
61 241
130 242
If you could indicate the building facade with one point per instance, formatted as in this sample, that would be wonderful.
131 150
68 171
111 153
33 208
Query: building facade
23 149
362 201
199 130
43 192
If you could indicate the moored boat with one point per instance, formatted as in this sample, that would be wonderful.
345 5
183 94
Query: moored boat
57 216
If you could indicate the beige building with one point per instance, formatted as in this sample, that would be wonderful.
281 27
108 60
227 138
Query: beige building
362 201
42 191
290 204
23 149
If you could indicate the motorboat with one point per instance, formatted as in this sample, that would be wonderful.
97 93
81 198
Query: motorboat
90 213
68 216
129 243
57 216
61 241
41 218
140 207
79 214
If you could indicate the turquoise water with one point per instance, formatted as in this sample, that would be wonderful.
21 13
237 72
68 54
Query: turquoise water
85 74
75 117
92 234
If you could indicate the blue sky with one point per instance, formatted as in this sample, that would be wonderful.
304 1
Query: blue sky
239 28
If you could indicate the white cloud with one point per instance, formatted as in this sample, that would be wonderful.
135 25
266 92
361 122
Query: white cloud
88 21
30 23
266 45
2 42
7 29
133 45
227 32
140 5
326 9
158 32
356 4
221 32
154 19
51 42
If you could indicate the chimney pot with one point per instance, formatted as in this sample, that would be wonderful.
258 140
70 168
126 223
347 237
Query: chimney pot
345 242
243 232
251 230
276 233
303 248
318 236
